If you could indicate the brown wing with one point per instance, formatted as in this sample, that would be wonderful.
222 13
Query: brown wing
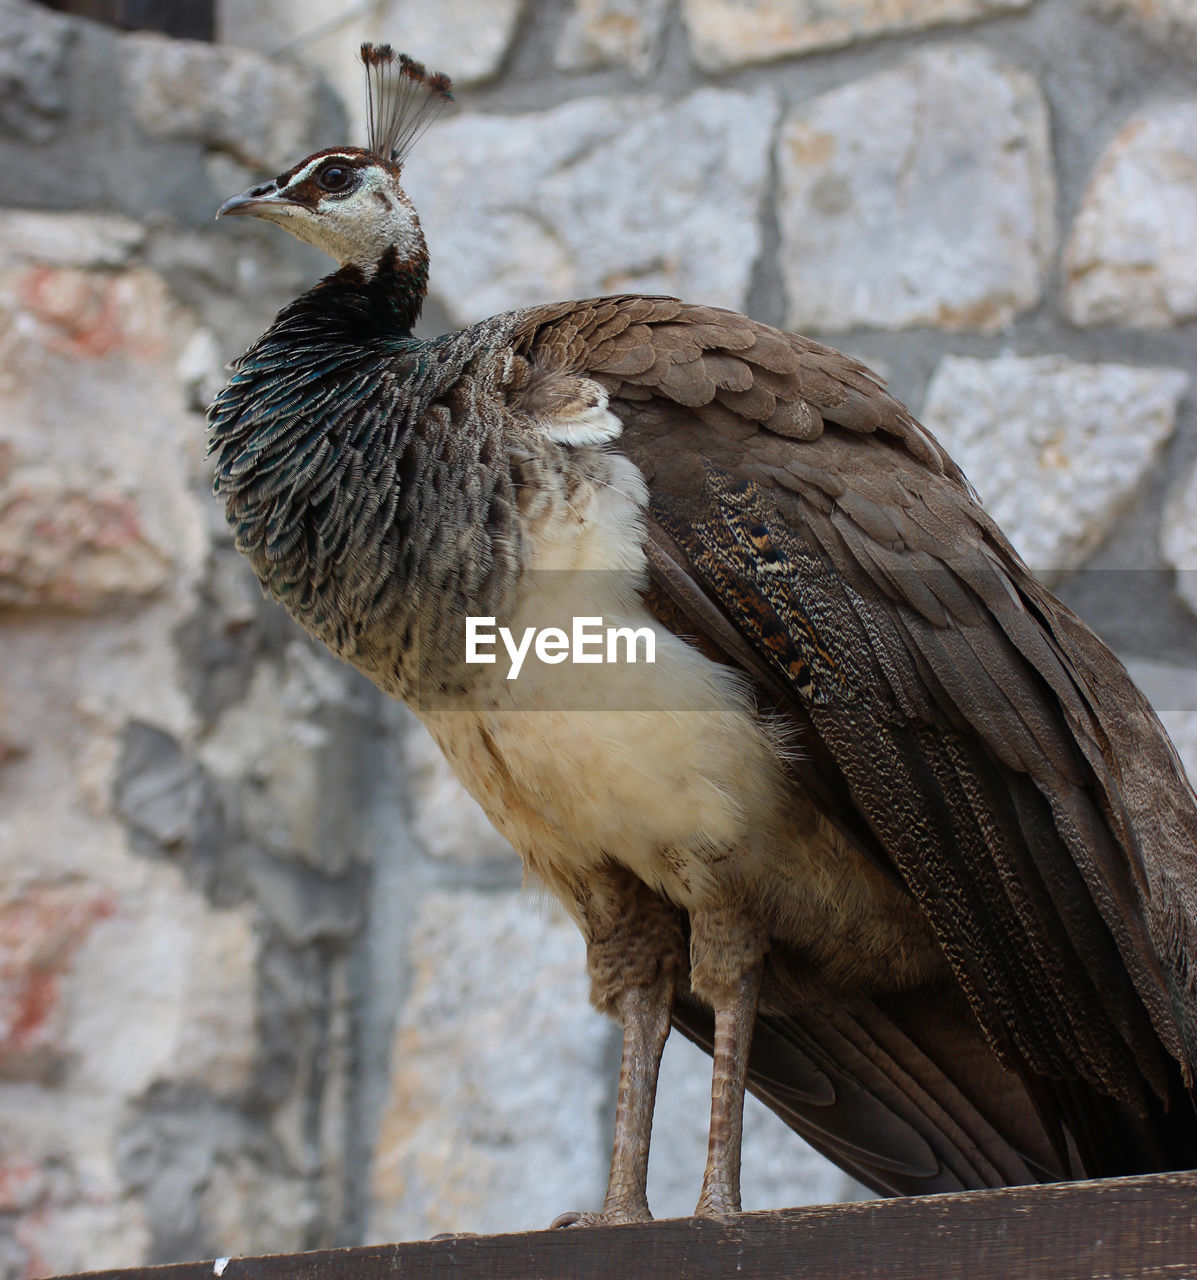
962 725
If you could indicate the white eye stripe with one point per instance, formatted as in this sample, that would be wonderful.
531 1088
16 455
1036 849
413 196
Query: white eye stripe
309 169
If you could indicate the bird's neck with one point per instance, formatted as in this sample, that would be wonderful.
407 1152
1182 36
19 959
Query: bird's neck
384 298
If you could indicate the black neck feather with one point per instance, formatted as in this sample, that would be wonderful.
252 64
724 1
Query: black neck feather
366 496
385 304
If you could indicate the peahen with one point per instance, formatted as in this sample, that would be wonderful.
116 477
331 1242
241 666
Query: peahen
883 826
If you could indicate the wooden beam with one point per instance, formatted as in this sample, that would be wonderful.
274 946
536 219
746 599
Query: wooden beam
1143 1228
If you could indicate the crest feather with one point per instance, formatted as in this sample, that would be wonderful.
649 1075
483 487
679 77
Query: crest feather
402 100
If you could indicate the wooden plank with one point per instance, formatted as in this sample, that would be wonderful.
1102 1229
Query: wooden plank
1141 1228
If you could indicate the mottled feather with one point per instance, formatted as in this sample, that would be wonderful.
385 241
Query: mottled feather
980 728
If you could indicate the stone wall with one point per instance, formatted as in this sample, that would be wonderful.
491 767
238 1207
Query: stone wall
267 979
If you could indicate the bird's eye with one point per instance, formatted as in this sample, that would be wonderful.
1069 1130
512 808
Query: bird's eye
334 177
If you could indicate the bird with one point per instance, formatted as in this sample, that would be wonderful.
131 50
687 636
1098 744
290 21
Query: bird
883 827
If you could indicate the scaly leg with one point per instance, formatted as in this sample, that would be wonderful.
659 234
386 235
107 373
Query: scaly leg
733 1035
635 950
644 1012
727 960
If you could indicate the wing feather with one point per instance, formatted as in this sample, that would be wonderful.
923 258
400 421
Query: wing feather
965 729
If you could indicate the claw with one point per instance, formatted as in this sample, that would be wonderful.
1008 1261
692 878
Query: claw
574 1218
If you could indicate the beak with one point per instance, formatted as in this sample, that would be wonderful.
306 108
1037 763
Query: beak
253 201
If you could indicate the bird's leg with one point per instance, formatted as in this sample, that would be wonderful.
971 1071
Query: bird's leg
644 1012
733 1035
720 948
635 952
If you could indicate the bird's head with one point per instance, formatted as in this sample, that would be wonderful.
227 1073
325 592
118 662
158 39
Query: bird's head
348 201
345 201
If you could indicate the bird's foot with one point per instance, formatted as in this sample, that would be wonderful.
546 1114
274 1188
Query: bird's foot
611 1216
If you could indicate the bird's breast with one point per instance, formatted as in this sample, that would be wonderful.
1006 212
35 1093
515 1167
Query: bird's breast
587 730
678 782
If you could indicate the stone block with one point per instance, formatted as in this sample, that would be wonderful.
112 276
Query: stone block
85 240
93 314
495 1119
42 927
83 1234
1131 256
68 538
33 52
467 38
921 195
73 550
174 810
1171 22
96 446
185 974
1178 537
601 33
306 802
201 370
211 1178
62 1208
1056 449
265 25
266 113
69 684
733 33
595 196
305 906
